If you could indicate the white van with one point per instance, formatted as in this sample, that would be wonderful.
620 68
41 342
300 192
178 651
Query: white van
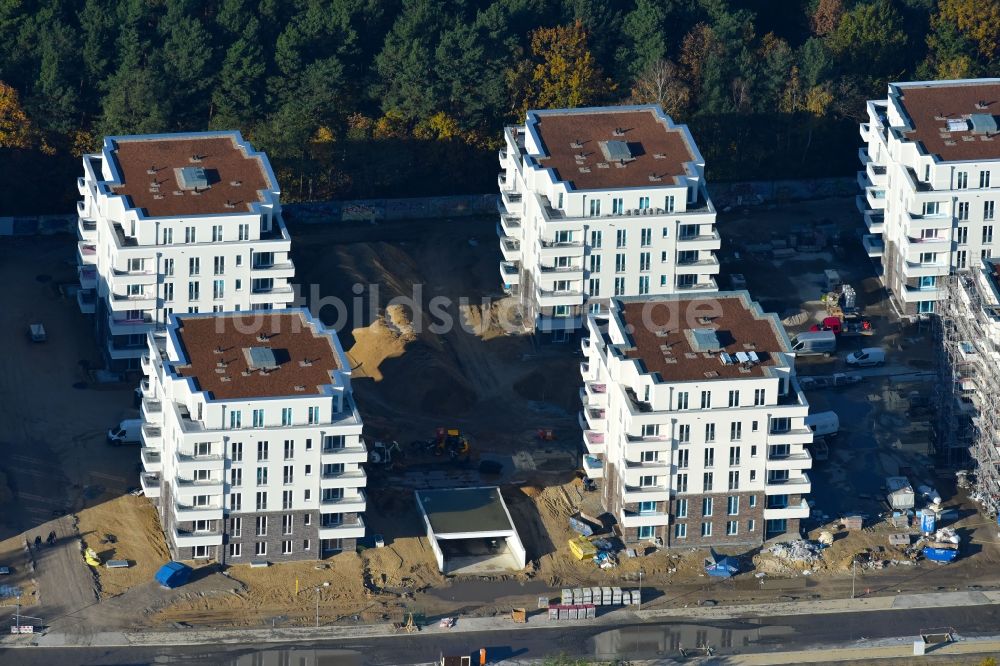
866 357
814 342
823 423
126 432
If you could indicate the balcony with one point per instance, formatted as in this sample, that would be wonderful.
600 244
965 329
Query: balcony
691 242
800 510
150 484
593 441
509 273
792 461
83 208
81 185
917 294
796 485
549 250
595 417
502 157
185 512
873 245
649 519
187 488
513 202
502 182
700 266
916 245
550 274
597 393
510 248
124 302
875 221
863 156
283 294
88 277
281 269
703 285
352 530
645 494
187 464
344 454
548 298
151 436
349 504
875 198
865 131
146 364
152 411
126 278
790 436
138 326
86 300
510 225
185 539
86 253
876 174
347 479
924 269
593 467
86 229
151 461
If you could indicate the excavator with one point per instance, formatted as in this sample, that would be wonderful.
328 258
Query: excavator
452 442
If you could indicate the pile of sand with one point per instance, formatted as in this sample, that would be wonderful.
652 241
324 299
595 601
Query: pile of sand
135 530
385 338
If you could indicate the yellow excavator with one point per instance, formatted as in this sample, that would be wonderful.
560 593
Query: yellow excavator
452 442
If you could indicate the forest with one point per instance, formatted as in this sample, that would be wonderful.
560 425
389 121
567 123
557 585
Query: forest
374 98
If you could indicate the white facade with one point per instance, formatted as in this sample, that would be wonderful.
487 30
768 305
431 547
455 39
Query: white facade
217 466
929 186
136 269
665 449
567 250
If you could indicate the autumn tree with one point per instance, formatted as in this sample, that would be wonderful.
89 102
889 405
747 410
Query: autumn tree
564 74
870 40
978 20
15 128
662 83
826 17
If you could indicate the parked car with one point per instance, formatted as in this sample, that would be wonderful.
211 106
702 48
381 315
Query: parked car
4 571
36 332
867 357
126 432
814 342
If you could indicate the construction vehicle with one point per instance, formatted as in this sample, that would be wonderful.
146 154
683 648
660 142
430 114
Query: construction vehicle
845 327
91 557
382 453
452 442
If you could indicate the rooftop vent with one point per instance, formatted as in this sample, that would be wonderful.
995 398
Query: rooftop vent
616 151
191 178
704 340
260 358
983 123
958 125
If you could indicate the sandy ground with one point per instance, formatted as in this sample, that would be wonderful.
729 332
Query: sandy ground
22 578
125 528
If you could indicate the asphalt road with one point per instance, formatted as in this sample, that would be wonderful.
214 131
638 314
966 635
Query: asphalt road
654 640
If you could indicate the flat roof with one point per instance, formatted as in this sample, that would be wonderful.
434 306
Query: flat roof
457 510
217 354
665 334
235 174
930 107
576 146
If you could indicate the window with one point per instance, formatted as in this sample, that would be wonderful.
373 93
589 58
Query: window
168 291
646 532
595 207
236 451
305 542
961 180
925 307
682 400
706 507
219 266
235 501
782 424
984 179
620 238
218 289
168 267
307 495
286 499
988 233
735 431
668 205
644 261
646 237
168 236
961 235
931 207
963 210
309 445
194 291
258 421
203 526
683 458
734 398
707 481
619 286
314 415
751 524
709 432
643 285
709 457
287 522
594 288
236 477
961 259
261 476
620 262
684 433
706 529
235 527
201 552
706 399
732 528
261 450
288 475
647 508
262 501
647 481
680 531
261 526
988 210
928 281
734 480
643 203
217 233
189 235
753 426
244 233
595 239
286 547
682 483
758 397
617 206
595 263
289 449
134 290
681 508
194 266
260 548
286 416
752 501
733 505
734 456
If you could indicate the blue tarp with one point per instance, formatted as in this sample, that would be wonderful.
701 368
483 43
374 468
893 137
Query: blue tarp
722 567
173 574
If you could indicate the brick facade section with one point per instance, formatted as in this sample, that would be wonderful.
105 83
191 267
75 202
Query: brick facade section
719 518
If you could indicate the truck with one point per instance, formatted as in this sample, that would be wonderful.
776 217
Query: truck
126 432
846 327
814 343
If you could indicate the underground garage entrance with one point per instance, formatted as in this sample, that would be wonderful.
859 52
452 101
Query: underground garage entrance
470 531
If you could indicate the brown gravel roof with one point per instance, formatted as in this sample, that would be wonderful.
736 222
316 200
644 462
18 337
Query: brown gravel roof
221 157
291 338
738 329
645 134
927 106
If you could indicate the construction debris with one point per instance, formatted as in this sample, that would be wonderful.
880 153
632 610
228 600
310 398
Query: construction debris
797 551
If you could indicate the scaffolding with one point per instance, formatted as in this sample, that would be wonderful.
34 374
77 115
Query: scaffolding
968 390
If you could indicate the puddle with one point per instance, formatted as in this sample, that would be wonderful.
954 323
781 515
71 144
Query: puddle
489 590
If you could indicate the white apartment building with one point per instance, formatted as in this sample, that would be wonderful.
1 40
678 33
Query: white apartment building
930 195
181 223
693 420
597 203
251 441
